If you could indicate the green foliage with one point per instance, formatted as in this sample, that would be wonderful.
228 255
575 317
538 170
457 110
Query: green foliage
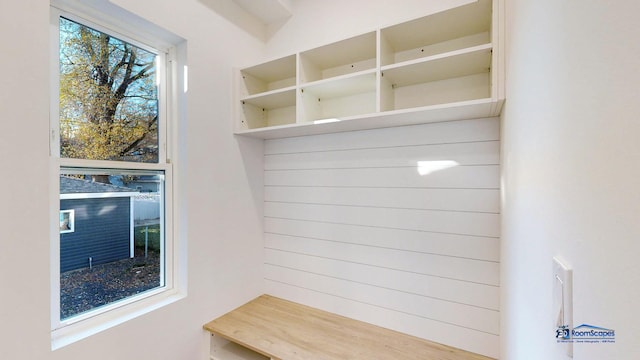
154 237
108 97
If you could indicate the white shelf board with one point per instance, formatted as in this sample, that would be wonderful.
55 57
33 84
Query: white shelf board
274 70
353 50
356 83
273 99
453 64
437 113
436 28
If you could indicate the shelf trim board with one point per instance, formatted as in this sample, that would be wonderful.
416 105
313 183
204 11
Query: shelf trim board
475 109
437 49
273 99
351 84
450 54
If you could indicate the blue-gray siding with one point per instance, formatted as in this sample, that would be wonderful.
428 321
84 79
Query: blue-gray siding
102 232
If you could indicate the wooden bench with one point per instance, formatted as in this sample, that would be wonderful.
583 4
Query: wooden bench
284 330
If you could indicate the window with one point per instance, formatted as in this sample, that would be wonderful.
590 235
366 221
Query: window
108 97
67 221
118 249
114 251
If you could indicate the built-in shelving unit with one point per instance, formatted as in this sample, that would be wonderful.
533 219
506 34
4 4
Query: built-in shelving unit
443 66
267 94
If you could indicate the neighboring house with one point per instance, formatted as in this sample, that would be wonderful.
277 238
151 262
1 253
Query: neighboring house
96 223
143 184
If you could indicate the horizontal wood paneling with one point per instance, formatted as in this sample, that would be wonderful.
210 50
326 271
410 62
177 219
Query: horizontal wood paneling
471 153
445 289
425 307
451 222
465 177
472 200
363 224
437 133
473 247
471 270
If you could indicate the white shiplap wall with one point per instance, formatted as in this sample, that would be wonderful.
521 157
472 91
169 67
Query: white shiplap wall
353 225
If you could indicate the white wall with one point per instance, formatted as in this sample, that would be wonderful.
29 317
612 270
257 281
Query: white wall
221 187
571 168
368 225
315 23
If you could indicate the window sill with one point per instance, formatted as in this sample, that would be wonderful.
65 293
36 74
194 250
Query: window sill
82 329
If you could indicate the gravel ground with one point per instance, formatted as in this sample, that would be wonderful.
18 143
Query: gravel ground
84 289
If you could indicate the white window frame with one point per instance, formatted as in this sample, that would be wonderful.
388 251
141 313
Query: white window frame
106 17
72 221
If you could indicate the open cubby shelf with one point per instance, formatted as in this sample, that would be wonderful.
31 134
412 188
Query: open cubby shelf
439 67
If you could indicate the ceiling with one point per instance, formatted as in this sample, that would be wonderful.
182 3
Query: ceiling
268 11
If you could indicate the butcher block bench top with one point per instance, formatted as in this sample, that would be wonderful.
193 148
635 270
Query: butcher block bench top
284 330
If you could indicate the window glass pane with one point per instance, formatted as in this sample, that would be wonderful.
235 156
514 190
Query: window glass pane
117 247
67 221
108 97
